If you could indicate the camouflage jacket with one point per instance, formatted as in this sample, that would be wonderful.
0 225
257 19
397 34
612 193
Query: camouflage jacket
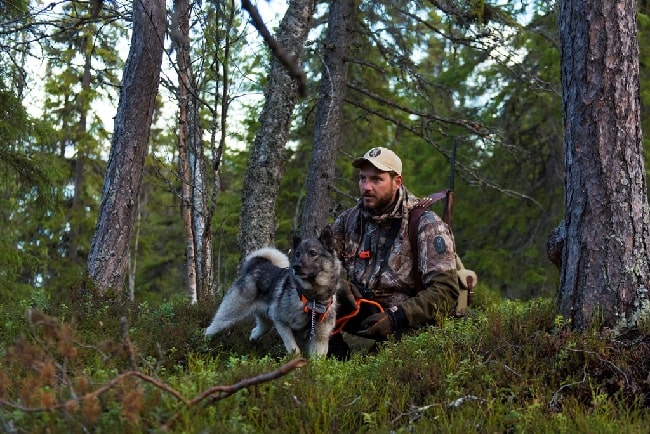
387 274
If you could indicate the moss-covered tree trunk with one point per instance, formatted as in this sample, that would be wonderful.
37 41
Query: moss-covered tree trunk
604 276
109 251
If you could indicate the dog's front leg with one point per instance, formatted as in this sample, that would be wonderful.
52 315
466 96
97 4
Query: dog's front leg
319 342
288 338
318 347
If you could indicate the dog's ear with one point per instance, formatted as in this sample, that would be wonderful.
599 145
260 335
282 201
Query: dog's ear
326 238
295 239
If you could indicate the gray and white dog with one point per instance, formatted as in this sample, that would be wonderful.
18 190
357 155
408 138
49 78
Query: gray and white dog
297 295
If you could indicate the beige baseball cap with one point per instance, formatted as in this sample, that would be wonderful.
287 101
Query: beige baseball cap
382 158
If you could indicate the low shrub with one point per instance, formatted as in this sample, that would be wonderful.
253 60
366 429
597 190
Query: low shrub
508 367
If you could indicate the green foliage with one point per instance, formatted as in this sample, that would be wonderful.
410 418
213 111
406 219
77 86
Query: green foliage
431 78
29 182
508 367
502 224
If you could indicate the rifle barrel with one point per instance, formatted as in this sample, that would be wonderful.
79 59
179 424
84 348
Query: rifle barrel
452 172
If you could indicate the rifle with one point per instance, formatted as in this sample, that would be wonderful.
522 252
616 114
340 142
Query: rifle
467 278
447 194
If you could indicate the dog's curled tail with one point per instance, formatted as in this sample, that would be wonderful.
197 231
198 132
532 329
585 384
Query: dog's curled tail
273 255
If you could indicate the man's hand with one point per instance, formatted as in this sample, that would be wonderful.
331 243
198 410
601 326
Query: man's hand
346 298
377 326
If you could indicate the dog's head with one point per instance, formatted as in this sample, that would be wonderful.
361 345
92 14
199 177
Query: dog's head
314 260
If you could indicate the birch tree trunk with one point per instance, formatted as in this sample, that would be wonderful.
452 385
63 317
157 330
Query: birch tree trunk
196 211
109 250
267 156
186 140
604 275
327 135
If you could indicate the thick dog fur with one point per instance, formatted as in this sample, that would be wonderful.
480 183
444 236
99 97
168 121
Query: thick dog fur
270 286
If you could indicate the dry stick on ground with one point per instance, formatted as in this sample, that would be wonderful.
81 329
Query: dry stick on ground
554 404
214 393
288 61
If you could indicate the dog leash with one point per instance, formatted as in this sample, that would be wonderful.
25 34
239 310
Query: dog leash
342 321
315 308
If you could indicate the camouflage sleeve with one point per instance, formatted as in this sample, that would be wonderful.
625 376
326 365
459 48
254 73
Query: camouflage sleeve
338 232
438 298
437 262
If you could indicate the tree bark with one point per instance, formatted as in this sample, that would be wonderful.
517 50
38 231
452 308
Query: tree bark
604 275
187 143
327 134
267 157
109 250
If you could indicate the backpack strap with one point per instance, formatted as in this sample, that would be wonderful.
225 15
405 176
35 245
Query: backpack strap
414 216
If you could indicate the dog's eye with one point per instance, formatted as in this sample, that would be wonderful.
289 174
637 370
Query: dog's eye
313 253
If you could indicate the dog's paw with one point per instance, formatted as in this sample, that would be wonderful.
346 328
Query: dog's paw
318 349
256 334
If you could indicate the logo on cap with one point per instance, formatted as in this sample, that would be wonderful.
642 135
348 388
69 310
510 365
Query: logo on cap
382 158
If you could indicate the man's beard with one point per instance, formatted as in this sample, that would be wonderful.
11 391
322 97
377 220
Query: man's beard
381 203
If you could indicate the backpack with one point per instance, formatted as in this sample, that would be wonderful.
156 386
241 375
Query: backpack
467 279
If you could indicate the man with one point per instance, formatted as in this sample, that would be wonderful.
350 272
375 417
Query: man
373 242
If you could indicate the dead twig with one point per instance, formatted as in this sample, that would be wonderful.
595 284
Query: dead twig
554 404
216 393
212 394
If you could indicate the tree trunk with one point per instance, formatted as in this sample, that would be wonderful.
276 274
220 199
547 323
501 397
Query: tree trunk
267 157
225 15
180 32
78 204
133 257
327 135
200 213
604 275
109 250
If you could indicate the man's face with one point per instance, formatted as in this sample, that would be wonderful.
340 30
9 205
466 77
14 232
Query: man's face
377 188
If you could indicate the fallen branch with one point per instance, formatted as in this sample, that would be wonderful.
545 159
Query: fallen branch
56 331
214 393
219 392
